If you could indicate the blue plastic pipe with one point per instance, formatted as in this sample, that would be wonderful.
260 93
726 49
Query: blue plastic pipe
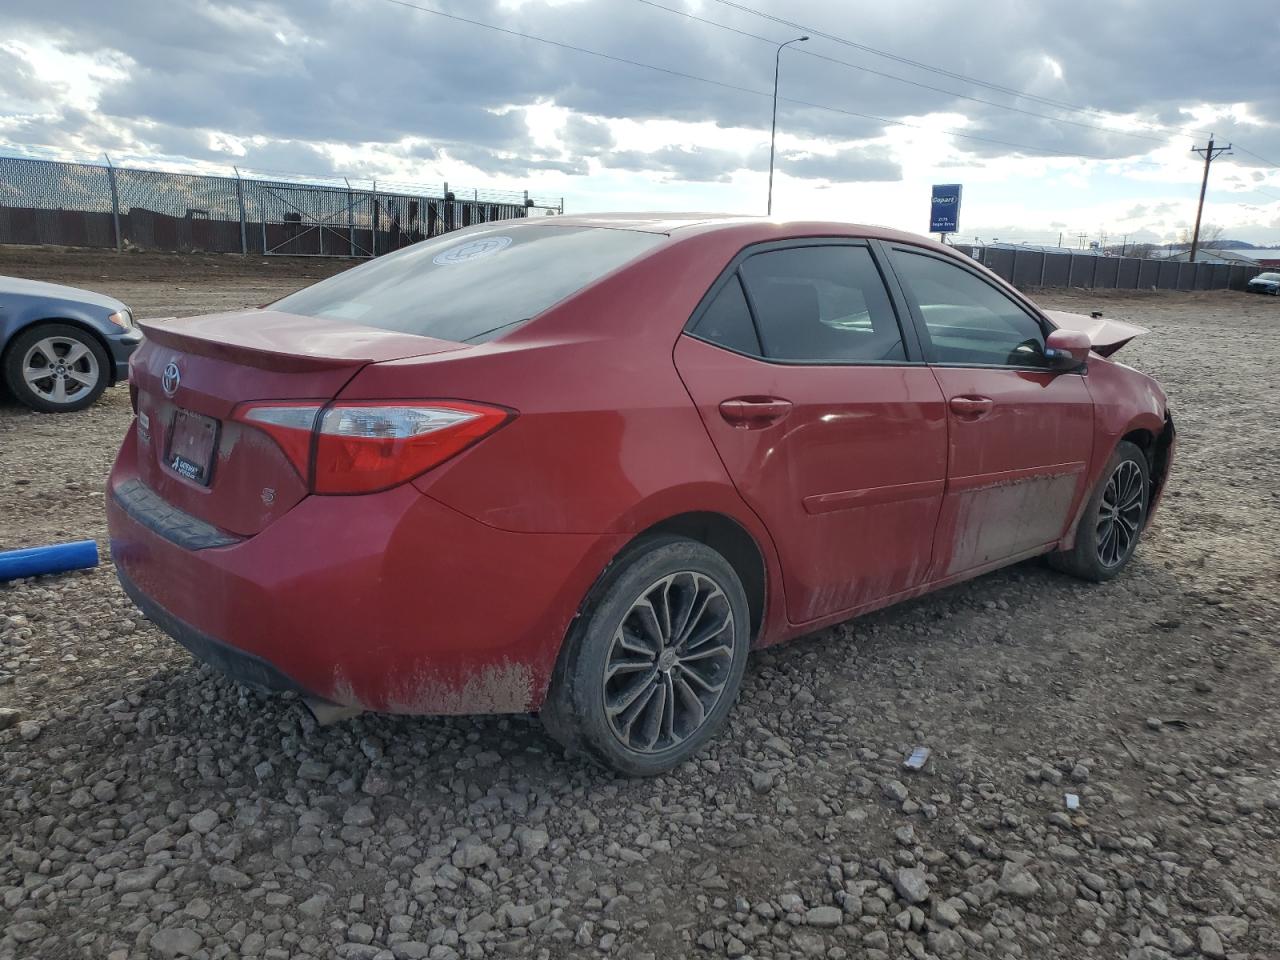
54 559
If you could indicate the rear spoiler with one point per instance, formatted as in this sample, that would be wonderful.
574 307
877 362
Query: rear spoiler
1105 336
287 343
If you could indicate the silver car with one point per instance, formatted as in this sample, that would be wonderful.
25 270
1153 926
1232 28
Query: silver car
1266 283
60 347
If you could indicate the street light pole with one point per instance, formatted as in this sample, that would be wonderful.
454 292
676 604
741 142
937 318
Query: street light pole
773 133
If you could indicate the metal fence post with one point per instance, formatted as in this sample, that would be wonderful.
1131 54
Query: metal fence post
351 216
262 216
1044 262
244 226
115 200
373 221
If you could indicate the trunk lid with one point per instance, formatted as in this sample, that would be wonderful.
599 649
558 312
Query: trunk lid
191 374
1106 336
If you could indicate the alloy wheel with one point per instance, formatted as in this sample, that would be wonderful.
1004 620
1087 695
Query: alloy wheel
60 369
1120 513
669 662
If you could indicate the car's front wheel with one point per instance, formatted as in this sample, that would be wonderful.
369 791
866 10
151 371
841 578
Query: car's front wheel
1113 518
56 367
654 661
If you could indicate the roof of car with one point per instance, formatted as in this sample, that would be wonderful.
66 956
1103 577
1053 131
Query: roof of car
763 227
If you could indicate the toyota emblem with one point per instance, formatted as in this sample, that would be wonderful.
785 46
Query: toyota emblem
172 377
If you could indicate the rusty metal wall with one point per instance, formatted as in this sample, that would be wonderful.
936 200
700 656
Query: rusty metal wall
91 205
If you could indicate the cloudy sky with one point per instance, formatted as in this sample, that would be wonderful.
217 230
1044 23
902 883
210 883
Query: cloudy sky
1075 117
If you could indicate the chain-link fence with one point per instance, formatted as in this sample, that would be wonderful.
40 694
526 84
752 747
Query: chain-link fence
1061 268
87 205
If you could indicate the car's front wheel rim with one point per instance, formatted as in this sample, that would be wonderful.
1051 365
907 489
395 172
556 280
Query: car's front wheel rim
1120 514
669 662
60 369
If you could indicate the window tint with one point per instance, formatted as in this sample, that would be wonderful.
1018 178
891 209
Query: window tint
969 320
822 304
727 320
473 284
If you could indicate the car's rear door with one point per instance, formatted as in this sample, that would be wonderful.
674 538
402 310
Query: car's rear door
1021 435
831 427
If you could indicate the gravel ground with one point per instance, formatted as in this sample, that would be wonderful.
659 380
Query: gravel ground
149 808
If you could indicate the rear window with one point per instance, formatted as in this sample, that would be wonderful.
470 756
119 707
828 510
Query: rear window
471 285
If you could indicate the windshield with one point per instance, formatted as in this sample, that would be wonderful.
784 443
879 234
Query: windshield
471 285
1268 276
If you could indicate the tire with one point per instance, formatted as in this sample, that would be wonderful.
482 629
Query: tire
1107 537
68 386
593 707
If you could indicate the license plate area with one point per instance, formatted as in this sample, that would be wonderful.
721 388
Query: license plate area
192 440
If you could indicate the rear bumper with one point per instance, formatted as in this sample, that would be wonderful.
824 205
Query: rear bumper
389 602
236 664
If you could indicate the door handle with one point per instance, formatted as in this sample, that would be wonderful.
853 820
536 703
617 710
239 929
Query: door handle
971 407
753 413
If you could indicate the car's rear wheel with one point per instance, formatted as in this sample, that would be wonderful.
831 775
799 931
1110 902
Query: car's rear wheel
55 367
654 661
1113 519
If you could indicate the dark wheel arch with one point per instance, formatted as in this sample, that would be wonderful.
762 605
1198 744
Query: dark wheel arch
728 538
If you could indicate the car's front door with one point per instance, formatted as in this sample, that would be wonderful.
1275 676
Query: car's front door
830 426
1020 435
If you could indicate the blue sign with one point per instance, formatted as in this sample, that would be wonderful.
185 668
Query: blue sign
944 210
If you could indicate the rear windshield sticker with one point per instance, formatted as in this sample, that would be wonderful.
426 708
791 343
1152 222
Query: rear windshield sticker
472 250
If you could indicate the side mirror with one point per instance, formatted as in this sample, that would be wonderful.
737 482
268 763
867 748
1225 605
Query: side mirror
1067 349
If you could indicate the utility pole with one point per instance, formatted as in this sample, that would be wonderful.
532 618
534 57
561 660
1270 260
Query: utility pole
1124 244
1209 153
1059 238
1082 237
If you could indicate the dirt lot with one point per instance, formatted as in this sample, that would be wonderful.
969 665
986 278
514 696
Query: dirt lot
151 808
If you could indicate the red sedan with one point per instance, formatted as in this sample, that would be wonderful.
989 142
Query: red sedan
581 466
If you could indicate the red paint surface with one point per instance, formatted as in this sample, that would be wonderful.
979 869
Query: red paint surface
860 485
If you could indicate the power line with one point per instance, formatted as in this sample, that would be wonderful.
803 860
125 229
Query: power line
1010 91
1062 105
759 93
898 79
1258 156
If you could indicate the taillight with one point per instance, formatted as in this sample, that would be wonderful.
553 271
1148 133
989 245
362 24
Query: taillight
364 447
289 424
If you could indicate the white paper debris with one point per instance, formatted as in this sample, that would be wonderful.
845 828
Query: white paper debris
918 758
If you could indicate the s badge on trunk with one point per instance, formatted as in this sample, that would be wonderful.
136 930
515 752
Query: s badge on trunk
172 377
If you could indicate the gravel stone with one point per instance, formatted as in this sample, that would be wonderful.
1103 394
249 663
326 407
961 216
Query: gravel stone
911 885
176 942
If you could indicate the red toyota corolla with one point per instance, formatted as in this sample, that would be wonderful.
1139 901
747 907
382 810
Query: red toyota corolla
581 466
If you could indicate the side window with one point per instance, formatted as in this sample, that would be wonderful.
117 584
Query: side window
822 303
969 320
727 321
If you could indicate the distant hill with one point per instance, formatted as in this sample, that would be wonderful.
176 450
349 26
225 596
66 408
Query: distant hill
1214 245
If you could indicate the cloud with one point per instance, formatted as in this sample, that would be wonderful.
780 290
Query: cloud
848 165
369 88
693 164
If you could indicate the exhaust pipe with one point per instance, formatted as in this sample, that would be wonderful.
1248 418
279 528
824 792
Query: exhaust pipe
326 713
